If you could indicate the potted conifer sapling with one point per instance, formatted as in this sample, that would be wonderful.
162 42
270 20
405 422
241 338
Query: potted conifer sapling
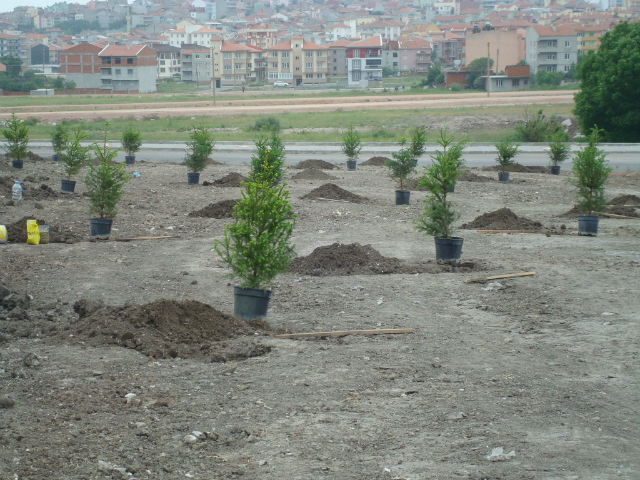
269 157
401 169
591 171
105 184
59 138
199 147
351 146
257 245
73 157
418 144
17 134
558 152
131 143
507 151
438 217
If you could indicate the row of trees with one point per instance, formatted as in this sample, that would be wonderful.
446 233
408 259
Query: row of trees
75 27
13 81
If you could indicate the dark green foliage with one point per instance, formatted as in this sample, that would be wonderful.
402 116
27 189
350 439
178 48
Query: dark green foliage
402 166
269 158
537 129
610 90
200 146
59 136
131 140
479 83
438 217
552 79
434 75
479 65
105 182
266 123
73 156
418 142
456 87
16 132
471 78
506 153
12 81
558 152
13 64
592 170
351 144
257 245
389 72
75 27
522 63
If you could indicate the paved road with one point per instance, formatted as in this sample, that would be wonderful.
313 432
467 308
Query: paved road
622 157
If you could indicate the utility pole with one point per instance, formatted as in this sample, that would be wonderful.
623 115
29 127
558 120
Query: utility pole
498 60
213 74
488 69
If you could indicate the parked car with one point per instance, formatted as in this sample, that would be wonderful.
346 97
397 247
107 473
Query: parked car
280 84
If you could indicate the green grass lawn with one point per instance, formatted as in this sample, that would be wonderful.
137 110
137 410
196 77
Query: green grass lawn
384 125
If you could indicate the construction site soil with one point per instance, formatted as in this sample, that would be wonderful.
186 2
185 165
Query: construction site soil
123 359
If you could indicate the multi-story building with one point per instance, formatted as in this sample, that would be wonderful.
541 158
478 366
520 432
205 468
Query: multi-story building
10 45
195 63
128 68
337 57
297 61
192 34
448 48
81 64
589 37
168 60
364 61
551 48
340 31
506 47
257 66
407 53
232 62
261 36
387 29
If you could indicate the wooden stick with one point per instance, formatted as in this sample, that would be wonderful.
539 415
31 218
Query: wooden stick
346 332
333 200
506 231
496 277
613 215
146 238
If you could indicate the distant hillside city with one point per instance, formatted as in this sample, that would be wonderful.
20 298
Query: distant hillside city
115 47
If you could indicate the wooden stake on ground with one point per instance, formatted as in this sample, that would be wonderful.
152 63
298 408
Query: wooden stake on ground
145 238
345 333
333 200
506 231
496 277
613 215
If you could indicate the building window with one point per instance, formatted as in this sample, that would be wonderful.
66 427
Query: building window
285 55
395 54
285 65
117 60
308 54
297 45
356 53
162 70
405 66
567 43
237 55
551 68
567 56
227 77
197 56
405 57
130 61
238 77
566 68
238 67
309 75
318 54
355 75
227 66
551 56
226 55
335 52
319 75
335 68
355 64
525 82
208 55
395 64
320 64
515 82
117 71
161 62
552 43
499 82
129 71
274 65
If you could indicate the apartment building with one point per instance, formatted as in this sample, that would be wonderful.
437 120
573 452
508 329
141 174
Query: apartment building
81 64
364 61
297 62
407 53
589 37
506 47
192 34
128 68
10 45
551 48
387 29
232 62
337 57
448 47
262 37
167 60
257 66
195 64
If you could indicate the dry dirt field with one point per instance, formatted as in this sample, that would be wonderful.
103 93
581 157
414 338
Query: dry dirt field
543 367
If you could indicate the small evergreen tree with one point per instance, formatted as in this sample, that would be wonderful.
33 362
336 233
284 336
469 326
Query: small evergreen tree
60 136
418 142
592 170
402 167
73 155
507 151
16 132
269 157
351 144
200 146
558 152
131 140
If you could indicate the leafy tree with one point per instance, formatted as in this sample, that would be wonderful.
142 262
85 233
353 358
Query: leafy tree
117 24
479 65
592 170
549 78
610 91
389 72
257 245
131 140
13 64
522 63
479 83
418 143
270 157
471 78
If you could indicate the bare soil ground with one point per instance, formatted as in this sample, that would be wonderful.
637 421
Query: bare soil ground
544 366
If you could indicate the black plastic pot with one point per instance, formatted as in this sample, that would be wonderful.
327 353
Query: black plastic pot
414 162
250 303
503 176
67 186
100 227
555 169
351 164
448 249
588 225
402 197
17 163
129 159
55 157
452 189
193 178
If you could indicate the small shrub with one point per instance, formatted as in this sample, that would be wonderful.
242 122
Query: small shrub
351 144
131 140
592 170
16 132
269 159
266 123
558 152
402 166
506 153
59 136
200 146
537 129
31 122
455 87
73 155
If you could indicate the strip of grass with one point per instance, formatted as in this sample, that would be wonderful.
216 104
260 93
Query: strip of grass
382 125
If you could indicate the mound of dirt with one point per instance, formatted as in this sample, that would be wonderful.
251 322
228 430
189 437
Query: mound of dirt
334 192
376 162
317 164
17 232
467 176
503 219
627 211
166 328
625 200
223 209
313 174
232 179
517 168
37 158
355 259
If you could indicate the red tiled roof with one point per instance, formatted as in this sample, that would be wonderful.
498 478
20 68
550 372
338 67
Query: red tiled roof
122 50
367 42
560 31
